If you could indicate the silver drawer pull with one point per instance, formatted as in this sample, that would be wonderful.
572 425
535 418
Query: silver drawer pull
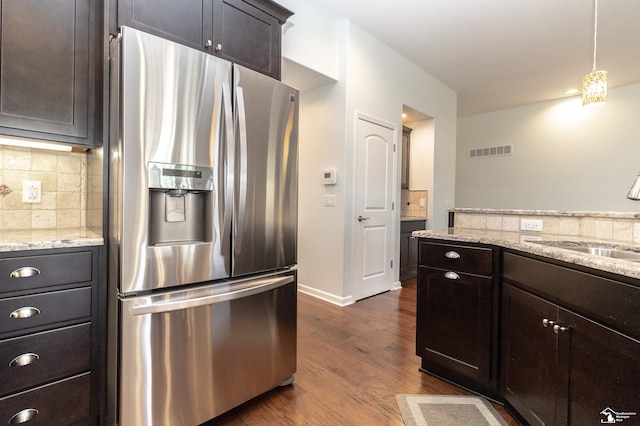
25 272
547 323
452 255
451 276
23 416
25 312
24 359
559 329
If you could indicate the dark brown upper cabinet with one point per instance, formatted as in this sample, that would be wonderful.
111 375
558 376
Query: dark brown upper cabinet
181 21
48 70
246 32
406 147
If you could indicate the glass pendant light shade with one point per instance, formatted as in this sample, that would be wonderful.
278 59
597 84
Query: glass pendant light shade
594 88
594 84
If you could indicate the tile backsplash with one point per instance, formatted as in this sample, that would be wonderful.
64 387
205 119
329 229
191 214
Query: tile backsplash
612 226
410 203
64 188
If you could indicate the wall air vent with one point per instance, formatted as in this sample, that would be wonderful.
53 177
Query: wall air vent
491 151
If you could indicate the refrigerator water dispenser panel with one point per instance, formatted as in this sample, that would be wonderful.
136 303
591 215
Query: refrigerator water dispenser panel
180 176
179 200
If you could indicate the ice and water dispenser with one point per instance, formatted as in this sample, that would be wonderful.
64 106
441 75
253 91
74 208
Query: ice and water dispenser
179 203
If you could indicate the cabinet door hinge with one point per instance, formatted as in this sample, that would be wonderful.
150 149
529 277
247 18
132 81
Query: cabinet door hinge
393 206
394 147
391 264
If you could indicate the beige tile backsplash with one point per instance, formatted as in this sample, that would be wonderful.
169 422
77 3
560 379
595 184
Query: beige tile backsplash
64 188
410 203
602 228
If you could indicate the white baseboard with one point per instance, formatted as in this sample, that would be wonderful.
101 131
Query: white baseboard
323 295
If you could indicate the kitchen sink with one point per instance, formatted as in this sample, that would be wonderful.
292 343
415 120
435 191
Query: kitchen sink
604 250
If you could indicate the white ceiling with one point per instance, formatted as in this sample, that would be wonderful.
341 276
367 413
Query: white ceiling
499 54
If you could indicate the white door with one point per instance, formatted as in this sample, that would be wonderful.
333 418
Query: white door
374 233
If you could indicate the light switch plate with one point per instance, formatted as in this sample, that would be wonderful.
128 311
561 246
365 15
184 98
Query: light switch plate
329 200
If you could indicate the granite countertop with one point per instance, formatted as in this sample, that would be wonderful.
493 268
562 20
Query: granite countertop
566 213
34 239
525 242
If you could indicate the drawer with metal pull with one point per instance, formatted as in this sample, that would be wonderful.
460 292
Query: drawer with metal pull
25 312
477 260
38 358
32 272
60 403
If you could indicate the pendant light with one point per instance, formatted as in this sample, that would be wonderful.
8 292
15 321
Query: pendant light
594 84
634 191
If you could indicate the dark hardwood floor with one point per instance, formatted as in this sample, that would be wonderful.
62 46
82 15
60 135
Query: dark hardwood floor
352 361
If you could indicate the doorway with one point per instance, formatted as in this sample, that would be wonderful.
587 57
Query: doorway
416 184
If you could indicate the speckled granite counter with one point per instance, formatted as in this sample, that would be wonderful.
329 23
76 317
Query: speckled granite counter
525 242
572 213
34 239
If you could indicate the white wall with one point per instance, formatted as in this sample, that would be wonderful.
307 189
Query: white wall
321 231
374 80
310 38
422 92
565 156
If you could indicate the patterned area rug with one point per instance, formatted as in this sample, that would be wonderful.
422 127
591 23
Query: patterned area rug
442 410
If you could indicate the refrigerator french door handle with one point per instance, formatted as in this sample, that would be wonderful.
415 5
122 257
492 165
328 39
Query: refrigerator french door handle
225 239
260 286
242 173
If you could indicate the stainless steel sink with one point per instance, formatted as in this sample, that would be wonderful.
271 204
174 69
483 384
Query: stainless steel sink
609 251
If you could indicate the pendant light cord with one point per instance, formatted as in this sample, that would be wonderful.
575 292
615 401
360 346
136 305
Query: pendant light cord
595 36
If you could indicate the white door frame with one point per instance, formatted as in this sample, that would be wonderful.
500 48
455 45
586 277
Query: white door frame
394 195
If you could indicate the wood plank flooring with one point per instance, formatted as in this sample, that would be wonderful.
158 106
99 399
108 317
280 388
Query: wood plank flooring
352 361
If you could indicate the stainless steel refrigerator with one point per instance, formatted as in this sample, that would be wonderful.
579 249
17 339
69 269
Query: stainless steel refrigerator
202 240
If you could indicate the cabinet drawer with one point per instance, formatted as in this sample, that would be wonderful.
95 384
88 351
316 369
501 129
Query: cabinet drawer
60 403
612 303
38 358
477 260
21 313
31 272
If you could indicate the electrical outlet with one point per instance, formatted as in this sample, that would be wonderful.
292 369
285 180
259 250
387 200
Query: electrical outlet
423 203
531 225
31 191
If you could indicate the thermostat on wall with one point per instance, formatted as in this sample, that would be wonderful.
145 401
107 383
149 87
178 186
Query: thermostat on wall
329 176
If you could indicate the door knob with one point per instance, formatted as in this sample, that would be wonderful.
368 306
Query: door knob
362 219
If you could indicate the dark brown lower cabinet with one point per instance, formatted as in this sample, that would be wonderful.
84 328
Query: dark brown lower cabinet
604 372
529 368
456 322
409 248
569 336
560 368
52 332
